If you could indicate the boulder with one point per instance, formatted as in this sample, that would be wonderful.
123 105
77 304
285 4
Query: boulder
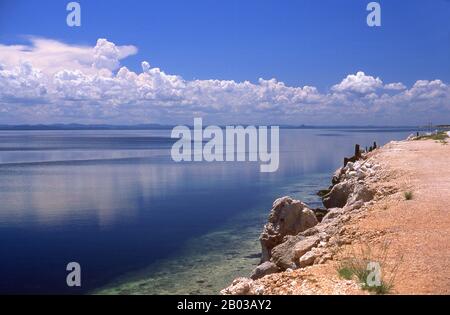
311 231
307 259
305 245
361 174
337 197
239 286
337 176
360 194
348 167
332 213
286 255
287 217
266 268
283 254
324 258
354 206
323 192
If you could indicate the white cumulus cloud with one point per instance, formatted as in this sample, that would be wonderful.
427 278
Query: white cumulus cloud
51 56
50 81
359 83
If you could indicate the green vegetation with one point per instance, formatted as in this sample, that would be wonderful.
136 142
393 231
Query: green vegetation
352 268
408 195
440 136
345 272
383 288
356 266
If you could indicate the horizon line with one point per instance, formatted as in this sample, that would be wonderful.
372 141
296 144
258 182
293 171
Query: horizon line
155 126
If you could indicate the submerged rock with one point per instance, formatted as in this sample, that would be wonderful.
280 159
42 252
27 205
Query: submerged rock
287 217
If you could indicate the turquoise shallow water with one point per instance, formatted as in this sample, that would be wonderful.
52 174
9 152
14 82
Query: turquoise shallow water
137 222
208 263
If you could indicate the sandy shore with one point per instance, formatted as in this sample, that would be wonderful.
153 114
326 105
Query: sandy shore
406 227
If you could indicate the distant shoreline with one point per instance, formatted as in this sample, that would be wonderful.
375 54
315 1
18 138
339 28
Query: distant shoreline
25 127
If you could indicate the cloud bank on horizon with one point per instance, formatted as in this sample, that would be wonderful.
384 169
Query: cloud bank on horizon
49 81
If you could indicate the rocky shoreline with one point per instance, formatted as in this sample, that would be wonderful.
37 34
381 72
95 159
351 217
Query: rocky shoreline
297 236
388 205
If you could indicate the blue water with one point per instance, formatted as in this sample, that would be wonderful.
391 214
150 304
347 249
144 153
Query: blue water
116 203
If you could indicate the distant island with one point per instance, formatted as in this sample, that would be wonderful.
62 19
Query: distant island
73 126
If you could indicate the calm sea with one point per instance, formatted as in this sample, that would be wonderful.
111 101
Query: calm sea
139 223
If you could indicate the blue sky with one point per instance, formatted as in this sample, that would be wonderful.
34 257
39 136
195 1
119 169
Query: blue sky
300 43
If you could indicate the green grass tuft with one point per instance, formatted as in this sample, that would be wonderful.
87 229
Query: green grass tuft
440 136
408 195
383 288
355 266
345 273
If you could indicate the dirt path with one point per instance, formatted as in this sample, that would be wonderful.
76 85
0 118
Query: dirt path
414 231
418 229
